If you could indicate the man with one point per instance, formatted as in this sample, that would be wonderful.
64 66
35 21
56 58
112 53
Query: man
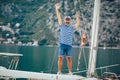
66 36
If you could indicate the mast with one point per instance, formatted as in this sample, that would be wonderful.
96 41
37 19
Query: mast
94 40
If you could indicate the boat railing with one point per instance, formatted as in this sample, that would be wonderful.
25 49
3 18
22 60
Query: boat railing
14 59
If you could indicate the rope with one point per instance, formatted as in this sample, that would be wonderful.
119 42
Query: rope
79 57
85 58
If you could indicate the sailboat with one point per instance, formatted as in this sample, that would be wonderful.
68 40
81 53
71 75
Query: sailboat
8 73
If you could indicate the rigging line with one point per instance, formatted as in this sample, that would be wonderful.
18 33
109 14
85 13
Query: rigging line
79 57
56 1
75 5
109 66
53 59
85 58
79 71
84 14
83 40
75 8
87 10
79 5
66 70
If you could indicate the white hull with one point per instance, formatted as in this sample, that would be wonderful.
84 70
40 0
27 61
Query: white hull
35 75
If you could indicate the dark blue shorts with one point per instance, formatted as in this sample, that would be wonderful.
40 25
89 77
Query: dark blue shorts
65 50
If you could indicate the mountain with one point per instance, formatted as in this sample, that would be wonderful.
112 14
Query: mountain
37 19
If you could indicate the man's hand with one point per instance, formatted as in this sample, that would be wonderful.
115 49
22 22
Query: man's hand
77 24
82 44
57 6
77 15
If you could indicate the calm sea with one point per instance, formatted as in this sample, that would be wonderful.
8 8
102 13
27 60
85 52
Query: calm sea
44 59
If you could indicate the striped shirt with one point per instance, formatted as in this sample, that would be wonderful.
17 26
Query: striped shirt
66 34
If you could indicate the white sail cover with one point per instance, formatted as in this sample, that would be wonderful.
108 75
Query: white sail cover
94 40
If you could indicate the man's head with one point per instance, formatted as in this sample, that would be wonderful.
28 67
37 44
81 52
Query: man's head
67 20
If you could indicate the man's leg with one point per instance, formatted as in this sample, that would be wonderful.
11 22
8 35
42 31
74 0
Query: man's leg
69 63
60 62
69 58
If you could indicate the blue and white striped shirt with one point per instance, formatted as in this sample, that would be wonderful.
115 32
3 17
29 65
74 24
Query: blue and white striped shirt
66 34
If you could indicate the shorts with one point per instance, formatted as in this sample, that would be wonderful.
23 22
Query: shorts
65 50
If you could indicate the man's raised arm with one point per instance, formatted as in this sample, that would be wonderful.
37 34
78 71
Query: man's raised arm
77 24
57 7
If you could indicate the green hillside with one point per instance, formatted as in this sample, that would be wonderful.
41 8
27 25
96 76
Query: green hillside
38 20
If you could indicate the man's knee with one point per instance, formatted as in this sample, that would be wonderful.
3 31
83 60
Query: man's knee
69 59
60 58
